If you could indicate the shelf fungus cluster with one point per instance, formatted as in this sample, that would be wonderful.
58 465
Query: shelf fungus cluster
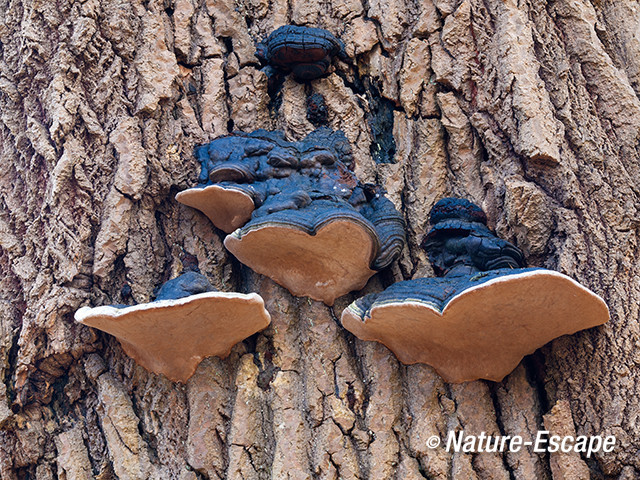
295 212
484 313
187 322
305 52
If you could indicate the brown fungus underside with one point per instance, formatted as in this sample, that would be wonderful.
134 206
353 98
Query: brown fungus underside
483 331
173 336
226 207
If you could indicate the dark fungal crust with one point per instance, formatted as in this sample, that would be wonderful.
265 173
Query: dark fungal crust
306 186
317 111
460 208
189 283
460 241
304 51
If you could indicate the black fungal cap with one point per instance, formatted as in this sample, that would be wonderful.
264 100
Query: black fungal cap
460 243
304 51
189 283
459 208
317 112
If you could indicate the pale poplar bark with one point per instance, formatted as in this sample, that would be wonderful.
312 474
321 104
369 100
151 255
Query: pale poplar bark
529 108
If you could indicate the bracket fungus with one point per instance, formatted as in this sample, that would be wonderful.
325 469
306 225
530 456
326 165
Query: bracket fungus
187 322
308 223
306 52
484 314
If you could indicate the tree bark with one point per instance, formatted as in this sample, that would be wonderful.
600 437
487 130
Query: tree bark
529 108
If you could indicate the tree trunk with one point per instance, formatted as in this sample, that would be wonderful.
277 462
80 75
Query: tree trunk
529 108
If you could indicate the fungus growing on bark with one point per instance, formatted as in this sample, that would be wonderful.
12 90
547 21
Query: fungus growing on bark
323 253
313 228
485 314
187 322
304 51
227 208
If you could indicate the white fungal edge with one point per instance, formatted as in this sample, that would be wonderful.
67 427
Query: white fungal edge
503 278
108 311
191 190
205 187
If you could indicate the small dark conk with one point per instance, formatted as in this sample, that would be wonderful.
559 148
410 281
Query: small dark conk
305 52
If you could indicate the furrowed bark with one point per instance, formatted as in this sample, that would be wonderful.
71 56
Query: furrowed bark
530 109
